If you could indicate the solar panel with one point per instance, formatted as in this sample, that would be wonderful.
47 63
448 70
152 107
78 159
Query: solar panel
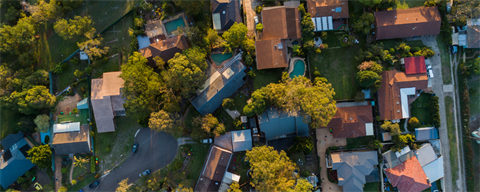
324 23
330 23
338 9
319 23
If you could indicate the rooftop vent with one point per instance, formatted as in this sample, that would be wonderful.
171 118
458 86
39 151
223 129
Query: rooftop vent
398 103
280 46
395 17
398 111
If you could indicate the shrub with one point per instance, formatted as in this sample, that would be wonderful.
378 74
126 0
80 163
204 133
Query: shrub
238 124
303 144
378 118
258 9
248 59
251 74
259 27
375 144
228 103
97 176
412 123
429 3
316 73
435 111
79 178
74 110
415 49
64 170
74 182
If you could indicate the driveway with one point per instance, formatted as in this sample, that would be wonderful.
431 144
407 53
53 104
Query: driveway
324 141
156 151
249 7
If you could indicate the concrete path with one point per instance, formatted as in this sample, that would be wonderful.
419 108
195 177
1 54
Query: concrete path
448 88
185 140
58 172
437 87
71 168
249 7
324 141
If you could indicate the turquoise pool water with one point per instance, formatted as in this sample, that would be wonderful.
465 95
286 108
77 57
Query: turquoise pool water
218 58
173 25
298 69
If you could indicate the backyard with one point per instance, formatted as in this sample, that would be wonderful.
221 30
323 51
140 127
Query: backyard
81 117
420 109
445 59
359 141
266 76
225 118
307 166
195 165
8 121
452 138
111 147
474 93
371 187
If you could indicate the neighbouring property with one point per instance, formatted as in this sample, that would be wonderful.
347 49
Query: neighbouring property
235 141
414 171
220 84
402 23
473 33
214 175
352 122
354 169
277 124
225 13
398 90
328 14
415 65
13 161
107 101
71 138
281 26
165 49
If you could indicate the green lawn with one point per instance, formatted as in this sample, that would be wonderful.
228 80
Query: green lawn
188 119
371 187
113 146
241 168
333 38
8 121
240 102
112 65
304 168
266 76
66 78
339 66
225 118
474 93
452 138
406 4
83 94
445 59
420 109
79 171
80 184
195 165
359 141
116 37
82 117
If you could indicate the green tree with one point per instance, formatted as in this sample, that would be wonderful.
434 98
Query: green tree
474 65
16 38
234 187
196 55
13 14
40 155
43 11
159 62
142 87
74 27
366 78
228 103
163 121
413 122
303 144
259 9
307 27
363 24
63 189
43 122
123 186
79 161
139 22
235 37
401 141
213 39
91 47
259 27
302 186
375 144
191 7
79 74
70 5
271 170
29 101
183 75
393 128
209 125
371 3
257 105
39 77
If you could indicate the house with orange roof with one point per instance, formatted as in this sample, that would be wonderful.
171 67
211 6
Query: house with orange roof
408 176
328 14
352 121
107 100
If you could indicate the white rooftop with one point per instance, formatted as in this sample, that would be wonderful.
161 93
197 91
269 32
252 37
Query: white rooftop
66 127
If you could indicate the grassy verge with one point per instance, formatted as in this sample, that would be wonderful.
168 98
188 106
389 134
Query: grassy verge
80 184
240 102
474 94
265 77
370 187
445 59
452 138
420 109
195 165
113 146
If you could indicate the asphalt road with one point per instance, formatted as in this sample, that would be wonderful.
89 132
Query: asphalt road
156 151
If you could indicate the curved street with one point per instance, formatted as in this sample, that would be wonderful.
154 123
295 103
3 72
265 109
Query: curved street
155 151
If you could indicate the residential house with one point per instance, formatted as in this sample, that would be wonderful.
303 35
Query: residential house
408 176
430 161
71 138
415 65
280 25
328 14
214 175
221 83
426 133
154 29
13 161
398 90
242 140
225 13
276 124
473 33
107 101
403 23
165 49
353 168
352 122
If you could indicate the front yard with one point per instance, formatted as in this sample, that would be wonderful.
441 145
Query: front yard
114 146
195 165
371 187
420 109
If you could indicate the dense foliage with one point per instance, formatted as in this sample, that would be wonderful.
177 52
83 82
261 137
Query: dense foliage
40 155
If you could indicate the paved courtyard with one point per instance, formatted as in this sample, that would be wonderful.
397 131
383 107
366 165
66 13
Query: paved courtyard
324 141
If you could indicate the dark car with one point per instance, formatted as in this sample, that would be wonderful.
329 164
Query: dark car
94 184
135 147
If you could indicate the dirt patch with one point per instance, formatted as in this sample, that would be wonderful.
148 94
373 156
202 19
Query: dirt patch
67 104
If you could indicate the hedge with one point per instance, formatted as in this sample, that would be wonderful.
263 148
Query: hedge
92 164
467 141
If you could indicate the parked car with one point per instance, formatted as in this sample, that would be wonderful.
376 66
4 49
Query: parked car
146 172
37 186
207 141
256 20
94 184
135 147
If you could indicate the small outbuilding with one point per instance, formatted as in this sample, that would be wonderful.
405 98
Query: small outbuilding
427 133
242 140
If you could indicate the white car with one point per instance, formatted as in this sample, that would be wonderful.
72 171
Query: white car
207 141
256 19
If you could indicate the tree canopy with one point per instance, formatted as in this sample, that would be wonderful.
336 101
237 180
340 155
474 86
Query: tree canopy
91 47
43 122
191 7
77 26
236 36
207 126
363 24
366 78
43 11
40 155
18 37
393 128
123 186
163 121
183 75
213 39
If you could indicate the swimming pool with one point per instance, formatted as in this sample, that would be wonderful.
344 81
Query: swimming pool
298 69
218 58
173 25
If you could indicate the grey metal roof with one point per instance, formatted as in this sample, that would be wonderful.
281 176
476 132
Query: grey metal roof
391 159
426 154
229 12
16 165
222 87
422 134
11 139
434 170
353 167
274 122
242 140
473 33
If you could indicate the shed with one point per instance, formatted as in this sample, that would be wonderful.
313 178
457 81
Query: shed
83 104
386 136
242 140
422 134
66 127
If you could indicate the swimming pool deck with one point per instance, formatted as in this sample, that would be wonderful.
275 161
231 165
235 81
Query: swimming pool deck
225 61
172 18
292 65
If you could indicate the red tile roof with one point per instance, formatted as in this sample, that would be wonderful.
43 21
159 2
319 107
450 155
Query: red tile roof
323 8
414 65
408 176
349 122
